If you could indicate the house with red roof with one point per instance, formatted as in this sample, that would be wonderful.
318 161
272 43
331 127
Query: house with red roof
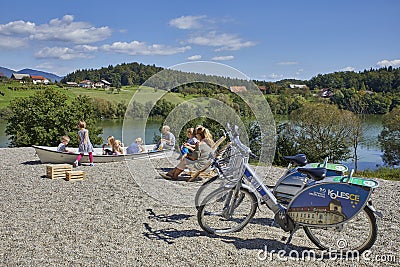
37 79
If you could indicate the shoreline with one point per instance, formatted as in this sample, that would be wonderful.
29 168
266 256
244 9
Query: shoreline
108 219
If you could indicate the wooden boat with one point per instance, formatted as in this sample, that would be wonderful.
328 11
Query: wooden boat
48 154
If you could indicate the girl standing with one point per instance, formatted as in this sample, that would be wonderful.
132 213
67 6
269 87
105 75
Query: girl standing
85 146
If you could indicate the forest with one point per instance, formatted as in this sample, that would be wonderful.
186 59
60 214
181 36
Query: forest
373 91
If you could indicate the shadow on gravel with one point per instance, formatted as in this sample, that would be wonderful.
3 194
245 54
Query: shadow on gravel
269 245
168 235
175 218
32 162
264 222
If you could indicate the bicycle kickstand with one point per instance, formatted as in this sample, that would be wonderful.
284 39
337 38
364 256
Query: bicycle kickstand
290 237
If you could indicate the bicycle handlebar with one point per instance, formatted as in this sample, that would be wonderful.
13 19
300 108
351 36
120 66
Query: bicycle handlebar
236 140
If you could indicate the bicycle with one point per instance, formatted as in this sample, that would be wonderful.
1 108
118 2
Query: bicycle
335 212
286 187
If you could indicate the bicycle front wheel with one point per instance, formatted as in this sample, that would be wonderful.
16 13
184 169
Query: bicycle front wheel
205 189
358 234
226 210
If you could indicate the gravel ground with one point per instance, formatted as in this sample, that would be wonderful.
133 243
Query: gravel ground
108 219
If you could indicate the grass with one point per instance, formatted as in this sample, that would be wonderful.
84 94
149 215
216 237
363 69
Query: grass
10 95
392 174
124 95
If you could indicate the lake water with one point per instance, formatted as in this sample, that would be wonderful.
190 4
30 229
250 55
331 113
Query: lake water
369 150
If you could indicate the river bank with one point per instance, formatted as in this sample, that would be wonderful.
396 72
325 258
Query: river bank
108 219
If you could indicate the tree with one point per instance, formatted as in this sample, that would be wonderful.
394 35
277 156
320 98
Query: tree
319 131
356 137
43 118
390 138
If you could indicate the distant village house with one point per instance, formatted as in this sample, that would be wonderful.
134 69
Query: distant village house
86 84
325 93
36 79
19 76
262 88
72 84
102 84
236 89
301 86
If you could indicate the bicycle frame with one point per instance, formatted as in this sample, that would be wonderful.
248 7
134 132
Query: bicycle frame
263 192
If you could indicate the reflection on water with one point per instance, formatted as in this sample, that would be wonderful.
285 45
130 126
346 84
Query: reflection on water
372 127
369 151
132 131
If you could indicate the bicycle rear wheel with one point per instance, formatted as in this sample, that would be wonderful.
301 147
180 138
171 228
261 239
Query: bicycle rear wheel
358 234
226 210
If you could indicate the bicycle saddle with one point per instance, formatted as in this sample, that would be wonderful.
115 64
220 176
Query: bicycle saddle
315 173
299 159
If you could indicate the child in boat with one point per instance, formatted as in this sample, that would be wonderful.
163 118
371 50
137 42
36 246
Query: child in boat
136 147
118 150
110 144
62 147
85 146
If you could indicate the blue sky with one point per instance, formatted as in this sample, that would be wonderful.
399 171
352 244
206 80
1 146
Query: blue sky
266 40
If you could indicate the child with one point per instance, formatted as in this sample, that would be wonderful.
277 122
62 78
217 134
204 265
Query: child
118 150
85 146
167 140
190 145
64 142
110 144
135 147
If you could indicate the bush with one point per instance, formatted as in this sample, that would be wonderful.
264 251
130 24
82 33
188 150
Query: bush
43 118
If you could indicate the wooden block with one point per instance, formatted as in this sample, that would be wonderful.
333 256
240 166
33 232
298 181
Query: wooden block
55 171
75 175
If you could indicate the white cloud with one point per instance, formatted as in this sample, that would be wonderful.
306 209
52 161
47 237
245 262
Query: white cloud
141 48
349 68
187 22
67 30
7 42
385 62
194 57
223 41
66 53
288 63
18 27
64 29
275 76
299 71
222 58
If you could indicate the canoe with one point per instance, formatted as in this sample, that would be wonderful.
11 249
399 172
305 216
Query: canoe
48 154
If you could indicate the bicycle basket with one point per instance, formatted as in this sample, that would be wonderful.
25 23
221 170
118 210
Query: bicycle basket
232 167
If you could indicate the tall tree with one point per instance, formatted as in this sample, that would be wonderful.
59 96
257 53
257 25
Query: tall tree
390 138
